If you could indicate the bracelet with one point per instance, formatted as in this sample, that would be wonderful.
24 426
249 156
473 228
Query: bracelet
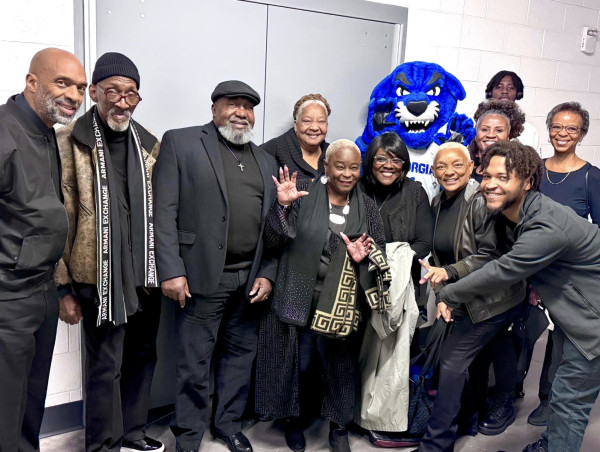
283 206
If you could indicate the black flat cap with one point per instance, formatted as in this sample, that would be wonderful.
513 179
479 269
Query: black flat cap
235 88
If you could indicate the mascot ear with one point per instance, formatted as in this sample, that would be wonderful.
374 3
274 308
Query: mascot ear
454 86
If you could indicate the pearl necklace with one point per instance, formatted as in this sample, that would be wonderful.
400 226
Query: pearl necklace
339 219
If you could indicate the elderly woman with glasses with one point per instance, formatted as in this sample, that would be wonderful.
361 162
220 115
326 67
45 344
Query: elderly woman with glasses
330 273
569 180
404 207
303 147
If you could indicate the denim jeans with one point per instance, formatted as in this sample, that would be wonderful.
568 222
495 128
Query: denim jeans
574 392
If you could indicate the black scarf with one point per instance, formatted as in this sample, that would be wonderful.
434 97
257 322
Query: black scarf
109 274
299 266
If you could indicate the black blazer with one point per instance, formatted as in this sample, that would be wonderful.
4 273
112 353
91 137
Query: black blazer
191 212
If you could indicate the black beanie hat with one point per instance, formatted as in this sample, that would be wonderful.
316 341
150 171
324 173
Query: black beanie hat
113 63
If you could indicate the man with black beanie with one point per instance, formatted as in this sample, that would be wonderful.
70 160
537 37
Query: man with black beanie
107 276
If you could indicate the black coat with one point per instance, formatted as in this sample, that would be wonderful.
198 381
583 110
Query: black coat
286 150
191 209
33 221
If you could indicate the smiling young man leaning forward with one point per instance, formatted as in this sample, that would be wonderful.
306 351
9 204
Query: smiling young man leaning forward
559 253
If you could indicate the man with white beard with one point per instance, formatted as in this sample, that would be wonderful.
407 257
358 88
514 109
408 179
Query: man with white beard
213 191
107 276
33 230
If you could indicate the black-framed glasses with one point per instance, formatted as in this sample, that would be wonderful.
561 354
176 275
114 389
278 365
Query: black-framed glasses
113 96
382 160
571 130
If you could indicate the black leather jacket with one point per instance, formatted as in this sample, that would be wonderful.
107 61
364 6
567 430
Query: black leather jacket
475 244
33 221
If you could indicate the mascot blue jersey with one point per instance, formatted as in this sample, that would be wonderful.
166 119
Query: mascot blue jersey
418 102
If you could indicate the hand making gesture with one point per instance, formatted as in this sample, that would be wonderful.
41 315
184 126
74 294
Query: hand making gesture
435 275
287 192
359 249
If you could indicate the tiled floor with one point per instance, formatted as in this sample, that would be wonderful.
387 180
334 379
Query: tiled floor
265 436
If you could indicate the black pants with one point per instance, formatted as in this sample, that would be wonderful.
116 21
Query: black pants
227 324
27 335
118 373
502 350
459 350
337 363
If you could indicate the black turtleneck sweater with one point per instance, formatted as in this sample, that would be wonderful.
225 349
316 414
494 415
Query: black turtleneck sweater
118 145
387 199
244 198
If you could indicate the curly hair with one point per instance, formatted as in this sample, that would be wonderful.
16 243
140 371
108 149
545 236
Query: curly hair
391 143
310 98
571 107
522 159
509 110
517 82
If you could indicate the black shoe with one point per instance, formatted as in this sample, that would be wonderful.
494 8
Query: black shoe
237 442
142 444
338 438
535 447
392 439
539 416
294 436
500 416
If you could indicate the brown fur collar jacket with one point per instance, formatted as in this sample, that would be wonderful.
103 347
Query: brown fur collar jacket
76 144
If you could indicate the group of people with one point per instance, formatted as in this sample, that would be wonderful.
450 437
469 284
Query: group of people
101 220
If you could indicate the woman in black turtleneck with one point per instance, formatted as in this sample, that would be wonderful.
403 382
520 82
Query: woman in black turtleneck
404 207
402 202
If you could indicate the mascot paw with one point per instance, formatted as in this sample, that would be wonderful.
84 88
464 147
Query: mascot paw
460 129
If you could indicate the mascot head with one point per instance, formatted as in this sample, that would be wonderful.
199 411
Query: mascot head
415 101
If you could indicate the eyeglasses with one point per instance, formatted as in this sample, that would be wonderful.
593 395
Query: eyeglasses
131 99
571 130
381 160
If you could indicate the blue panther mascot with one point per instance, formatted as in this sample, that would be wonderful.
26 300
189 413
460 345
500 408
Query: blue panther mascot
418 102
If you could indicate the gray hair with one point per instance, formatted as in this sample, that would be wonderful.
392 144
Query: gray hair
342 143
455 146
497 113
306 103
571 107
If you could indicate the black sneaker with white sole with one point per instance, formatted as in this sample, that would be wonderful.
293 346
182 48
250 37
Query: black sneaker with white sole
146 444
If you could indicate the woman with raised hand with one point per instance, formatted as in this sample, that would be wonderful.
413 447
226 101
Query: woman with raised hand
332 267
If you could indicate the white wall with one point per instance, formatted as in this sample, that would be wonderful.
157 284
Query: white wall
537 39
27 26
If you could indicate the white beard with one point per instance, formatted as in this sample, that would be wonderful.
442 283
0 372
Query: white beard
236 136
118 126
